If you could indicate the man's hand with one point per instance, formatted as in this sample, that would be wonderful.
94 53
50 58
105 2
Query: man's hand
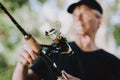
27 55
68 76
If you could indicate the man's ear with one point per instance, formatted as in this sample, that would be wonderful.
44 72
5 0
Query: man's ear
100 20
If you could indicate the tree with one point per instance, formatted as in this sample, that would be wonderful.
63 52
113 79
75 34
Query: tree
13 4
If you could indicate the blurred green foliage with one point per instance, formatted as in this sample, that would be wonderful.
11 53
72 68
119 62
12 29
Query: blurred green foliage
42 1
6 74
6 32
3 62
5 69
13 4
117 33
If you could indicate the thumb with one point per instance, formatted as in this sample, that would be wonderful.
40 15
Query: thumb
65 74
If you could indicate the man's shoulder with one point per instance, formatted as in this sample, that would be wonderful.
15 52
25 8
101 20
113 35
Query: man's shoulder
109 55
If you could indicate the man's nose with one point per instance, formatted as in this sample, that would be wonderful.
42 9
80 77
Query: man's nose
79 17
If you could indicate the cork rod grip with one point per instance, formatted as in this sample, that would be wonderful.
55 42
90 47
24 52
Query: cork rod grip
32 43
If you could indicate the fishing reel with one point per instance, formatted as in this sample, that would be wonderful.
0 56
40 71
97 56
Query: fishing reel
60 43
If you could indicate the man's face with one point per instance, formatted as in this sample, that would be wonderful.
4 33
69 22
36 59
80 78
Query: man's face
85 21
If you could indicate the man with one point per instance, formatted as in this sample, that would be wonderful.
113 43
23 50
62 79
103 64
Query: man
88 61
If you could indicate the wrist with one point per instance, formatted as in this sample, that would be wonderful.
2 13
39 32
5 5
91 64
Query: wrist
22 66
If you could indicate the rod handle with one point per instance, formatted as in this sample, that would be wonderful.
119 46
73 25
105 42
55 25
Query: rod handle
32 43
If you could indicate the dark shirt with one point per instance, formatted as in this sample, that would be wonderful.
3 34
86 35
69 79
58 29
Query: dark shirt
94 65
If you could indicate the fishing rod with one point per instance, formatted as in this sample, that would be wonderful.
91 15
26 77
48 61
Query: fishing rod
36 46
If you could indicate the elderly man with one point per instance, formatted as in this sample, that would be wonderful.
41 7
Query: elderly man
88 61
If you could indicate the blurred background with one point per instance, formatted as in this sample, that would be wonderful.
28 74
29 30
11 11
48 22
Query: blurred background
35 15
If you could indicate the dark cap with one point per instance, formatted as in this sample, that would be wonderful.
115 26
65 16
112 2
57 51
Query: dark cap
93 4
